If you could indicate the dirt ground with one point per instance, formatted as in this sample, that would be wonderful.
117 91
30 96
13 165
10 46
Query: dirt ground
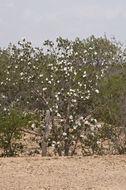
64 173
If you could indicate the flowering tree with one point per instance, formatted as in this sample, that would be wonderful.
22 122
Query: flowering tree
59 83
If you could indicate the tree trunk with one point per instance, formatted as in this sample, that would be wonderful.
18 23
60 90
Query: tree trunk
66 153
45 133
67 146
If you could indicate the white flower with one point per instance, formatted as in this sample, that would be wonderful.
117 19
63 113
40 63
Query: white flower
71 117
98 126
97 91
33 125
58 115
50 65
3 96
98 142
86 123
72 90
97 77
64 134
87 97
49 82
41 75
92 119
81 136
79 84
75 73
74 101
75 94
57 98
95 120
44 89
73 142
75 127
81 118
84 75
21 73
5 109
56 106
79 124
71 69
65 68
29 63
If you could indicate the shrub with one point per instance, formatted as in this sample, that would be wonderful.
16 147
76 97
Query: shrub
11 123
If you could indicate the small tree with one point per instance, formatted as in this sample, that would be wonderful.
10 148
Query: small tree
110 107
11 124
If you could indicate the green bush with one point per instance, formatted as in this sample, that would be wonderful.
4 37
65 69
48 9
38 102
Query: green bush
11 123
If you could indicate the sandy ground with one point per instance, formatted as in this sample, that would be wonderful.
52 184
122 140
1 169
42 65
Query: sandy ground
64 173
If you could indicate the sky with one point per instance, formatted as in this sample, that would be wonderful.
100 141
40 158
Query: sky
39 20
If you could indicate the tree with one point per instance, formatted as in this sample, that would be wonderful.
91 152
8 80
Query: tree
11 125
61 80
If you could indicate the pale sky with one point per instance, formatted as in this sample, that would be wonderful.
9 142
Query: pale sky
39 20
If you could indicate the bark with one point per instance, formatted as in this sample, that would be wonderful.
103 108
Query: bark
66 153
67 146
45 133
